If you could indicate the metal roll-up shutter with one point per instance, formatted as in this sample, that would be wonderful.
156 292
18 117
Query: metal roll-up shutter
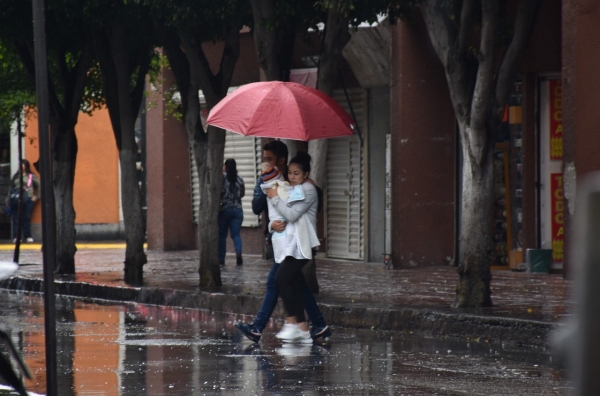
247 154
345 190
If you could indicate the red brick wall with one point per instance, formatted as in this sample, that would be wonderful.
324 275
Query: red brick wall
169 215
581 84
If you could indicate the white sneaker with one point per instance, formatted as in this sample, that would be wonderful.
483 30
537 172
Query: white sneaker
29 240
288 332
303 337
15 240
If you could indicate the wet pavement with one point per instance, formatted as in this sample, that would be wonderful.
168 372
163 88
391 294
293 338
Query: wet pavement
136 349
353 294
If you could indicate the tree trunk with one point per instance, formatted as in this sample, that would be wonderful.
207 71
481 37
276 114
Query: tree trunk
131 201
473 289
211 168
63 118
479 89
119 65
205 146
264 41
64 157
192 73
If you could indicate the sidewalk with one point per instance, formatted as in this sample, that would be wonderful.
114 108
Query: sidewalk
353 294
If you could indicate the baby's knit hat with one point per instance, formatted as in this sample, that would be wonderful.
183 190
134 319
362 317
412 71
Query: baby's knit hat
269 174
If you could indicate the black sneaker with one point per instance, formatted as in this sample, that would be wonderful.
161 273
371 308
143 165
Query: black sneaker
320 333
249 330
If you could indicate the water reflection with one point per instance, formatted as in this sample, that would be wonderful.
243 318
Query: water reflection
132 349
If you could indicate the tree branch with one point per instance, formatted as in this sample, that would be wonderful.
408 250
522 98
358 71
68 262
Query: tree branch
442 32
78 77
485 72
466 20
458 66
25 52
231 53
140 83
177 60
264 39
63 68
109 76
200 68
525 19
336 37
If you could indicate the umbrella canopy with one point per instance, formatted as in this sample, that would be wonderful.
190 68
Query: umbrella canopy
283 110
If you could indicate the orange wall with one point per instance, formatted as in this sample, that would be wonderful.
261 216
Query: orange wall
96 190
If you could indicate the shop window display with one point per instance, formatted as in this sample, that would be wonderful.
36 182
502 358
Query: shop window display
507 212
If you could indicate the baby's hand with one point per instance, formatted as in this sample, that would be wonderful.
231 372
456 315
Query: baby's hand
271 192
265 166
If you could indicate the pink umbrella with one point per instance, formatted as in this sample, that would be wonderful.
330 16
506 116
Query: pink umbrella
283 110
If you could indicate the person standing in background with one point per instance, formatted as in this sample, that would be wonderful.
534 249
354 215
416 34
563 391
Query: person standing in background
231 214
31 194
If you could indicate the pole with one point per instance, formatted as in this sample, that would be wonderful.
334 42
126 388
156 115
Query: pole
583 344
48 220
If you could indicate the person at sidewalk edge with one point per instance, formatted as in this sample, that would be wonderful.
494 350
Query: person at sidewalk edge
31 194
276 153
231 214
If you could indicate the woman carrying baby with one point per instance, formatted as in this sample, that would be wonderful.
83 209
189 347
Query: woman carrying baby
302 213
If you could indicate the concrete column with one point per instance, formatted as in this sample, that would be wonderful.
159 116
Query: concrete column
581 85
169 221
423 151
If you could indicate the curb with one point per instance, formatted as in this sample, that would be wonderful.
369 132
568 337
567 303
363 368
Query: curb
475 328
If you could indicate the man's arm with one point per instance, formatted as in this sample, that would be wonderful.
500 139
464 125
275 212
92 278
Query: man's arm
259 200
319 198
319 194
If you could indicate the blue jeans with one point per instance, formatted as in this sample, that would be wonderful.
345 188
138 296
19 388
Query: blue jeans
230 219
270 301
27 208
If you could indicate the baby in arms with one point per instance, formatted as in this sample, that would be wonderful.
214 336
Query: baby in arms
272 178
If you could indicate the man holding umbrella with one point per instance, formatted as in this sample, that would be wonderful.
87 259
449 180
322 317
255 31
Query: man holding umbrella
276 154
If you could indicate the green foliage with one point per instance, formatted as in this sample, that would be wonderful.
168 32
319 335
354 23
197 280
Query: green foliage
67 33
300 14
200 20
94 91
170 95
16 90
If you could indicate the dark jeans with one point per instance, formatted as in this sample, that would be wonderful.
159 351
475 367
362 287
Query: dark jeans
270 301
230 219
28 205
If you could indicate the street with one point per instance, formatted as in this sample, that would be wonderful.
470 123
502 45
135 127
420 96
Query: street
135 349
